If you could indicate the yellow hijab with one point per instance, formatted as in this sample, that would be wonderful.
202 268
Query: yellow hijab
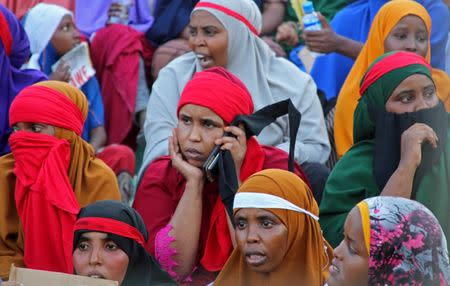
306 260
385 20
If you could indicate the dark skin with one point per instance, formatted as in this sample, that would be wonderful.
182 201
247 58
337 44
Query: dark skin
199 130
323 41
65 38
272 16
415 93
351 258
262 238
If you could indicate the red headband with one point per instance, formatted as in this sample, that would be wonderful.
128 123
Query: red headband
389 63
220 91
229 12
42 104
109 225
5 34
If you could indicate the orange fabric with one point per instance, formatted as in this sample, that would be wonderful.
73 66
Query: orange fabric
90 179
385 20
306 261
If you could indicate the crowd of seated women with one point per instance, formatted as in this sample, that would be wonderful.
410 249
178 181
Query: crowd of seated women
206 150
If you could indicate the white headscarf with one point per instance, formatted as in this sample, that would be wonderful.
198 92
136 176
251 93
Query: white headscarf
41 23
268 78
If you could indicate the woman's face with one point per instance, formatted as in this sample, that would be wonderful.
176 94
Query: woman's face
414 93
66 36
99 257
198 128
410 34
262 238
350 264
34 127
208 39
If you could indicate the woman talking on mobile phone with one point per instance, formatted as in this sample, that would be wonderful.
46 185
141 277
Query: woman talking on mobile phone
190 233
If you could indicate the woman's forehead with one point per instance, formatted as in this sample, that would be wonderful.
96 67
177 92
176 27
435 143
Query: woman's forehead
94 235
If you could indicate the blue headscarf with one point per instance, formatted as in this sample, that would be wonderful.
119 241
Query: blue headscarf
12 79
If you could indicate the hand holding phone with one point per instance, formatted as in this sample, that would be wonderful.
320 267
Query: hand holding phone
233 140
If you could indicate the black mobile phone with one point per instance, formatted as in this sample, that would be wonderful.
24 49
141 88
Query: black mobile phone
210 166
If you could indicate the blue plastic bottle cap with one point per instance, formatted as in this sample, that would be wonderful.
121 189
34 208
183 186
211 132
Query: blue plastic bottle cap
308 7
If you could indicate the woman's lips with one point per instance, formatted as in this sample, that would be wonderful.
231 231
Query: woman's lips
96 275
205 61
334 270
193 154
255 259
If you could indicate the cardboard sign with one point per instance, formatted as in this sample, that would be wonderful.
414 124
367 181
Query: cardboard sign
31 277
80 64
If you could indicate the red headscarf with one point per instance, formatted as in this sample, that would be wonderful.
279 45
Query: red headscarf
226 95
44 195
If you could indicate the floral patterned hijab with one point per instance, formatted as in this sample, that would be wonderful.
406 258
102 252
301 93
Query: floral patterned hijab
406 244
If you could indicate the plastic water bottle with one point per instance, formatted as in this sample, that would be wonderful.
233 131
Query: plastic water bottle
311 21
122 17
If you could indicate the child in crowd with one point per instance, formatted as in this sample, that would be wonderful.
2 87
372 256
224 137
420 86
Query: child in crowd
52 34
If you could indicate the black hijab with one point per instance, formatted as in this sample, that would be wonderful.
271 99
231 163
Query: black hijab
142 268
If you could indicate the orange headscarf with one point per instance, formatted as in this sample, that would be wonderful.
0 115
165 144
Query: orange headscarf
89 179
385 20
308 255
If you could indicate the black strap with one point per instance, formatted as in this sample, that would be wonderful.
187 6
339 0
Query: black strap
254 124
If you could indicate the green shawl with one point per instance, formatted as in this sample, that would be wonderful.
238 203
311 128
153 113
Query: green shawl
352 178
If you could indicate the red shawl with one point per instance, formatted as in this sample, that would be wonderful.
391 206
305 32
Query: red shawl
115 54
43 191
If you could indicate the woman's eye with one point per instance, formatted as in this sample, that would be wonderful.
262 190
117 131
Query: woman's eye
210 33
111 246
192 32
267 223
430 94
83 246
406 98
400 36
210 125
421 38
351 250
186 120
240 224
36 128
15 129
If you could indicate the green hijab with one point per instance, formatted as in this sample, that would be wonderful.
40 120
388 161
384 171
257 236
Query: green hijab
353 178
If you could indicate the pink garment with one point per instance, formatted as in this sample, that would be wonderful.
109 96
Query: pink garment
164 253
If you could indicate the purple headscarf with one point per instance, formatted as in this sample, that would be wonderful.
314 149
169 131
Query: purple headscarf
12 79
90 15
